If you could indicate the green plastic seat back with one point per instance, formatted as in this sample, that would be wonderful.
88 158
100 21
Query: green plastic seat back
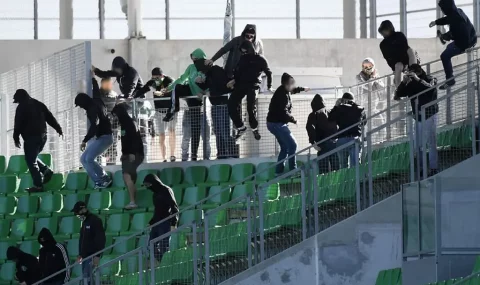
141 175
265 171
195 175
119 199
4 228
178 193
56 183
7 205
140 221
221 194
118 223
70 225
7 271
3 164
17 165
380 278
271 192
118 180
241 171
145 199
26 181
9 184
129 266
22 228
100 200
76 181
123 245
50 223
242 190
30 247
51 203
110 270
69 200
27 204
217 219
4 245
219 173
189 216
46 158
72 247
172 176
194 194
476 267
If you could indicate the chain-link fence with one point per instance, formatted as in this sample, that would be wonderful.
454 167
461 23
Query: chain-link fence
55 81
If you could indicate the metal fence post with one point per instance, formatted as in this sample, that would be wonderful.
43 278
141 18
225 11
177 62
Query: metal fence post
297 18
403 16
204 129
423 148
315 171
304 201
167 19
373 19
195 255
101 18
152 263
249 232
389 104
261 225
140 267
233 18
35 19
370 168
411 136
207 250
357 180
476 16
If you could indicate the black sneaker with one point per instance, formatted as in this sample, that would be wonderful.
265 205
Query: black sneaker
34 189
257 135
172 158
240 133
47 176
433 172
447 85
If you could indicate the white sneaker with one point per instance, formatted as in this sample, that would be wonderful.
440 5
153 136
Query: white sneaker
131 206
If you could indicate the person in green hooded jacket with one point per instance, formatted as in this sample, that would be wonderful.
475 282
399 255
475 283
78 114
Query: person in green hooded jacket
194 123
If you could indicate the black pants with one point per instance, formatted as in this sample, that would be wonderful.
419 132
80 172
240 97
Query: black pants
331 160
194 117
235 104
32 146
221 127
161 246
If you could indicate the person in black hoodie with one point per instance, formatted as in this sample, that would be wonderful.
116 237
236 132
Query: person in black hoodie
99 137
92 239
415 82
462 32
128 78
395 50
28 268
165 206
319 128
278 117
158 84
132 150
246 83
53 257
31 119
350 119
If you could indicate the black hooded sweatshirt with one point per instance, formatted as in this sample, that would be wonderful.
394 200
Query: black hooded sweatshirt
97 116
129 81
318 125
92 236
394 47
233 48
28 268
159 104
461 29
250 67
53 257
130 134
280 108
215 81
346 115
163 200
31 117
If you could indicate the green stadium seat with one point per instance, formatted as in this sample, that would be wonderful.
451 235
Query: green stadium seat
72 247
111 270
189 216
265 172
192 195
241 171
76 181
123 245
17 165
218 218
56 183
46 158
69 201
76 270
99 201
171 176
119 200
4 229
144 201
4 245
139 223
7 273
21 229
31 246
272 192
243 190
8 184
3 164
141 176
26 205
8 206
390 277
50 223
69 228
26 181
178 192
237 239
49 204
221 195
177 240
117 223
194 175
476 267
118 183
218 174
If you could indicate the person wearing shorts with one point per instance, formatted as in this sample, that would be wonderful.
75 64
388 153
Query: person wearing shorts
163 128
132 151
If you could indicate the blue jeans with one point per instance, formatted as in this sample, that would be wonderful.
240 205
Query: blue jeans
446 57
331 160
348 152
221 129
87 270
32 146
162 245
427 135
96 147
288 145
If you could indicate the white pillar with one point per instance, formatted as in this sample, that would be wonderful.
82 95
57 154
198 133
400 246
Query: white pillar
363 19
373 19
66 19
349 19
135 19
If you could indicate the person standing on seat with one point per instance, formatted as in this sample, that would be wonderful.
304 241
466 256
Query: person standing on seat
158 84
395 50
31 119
462 32
279 116
320 128
28 269
246 83
92 240
415 82
132 151
99 138
165 206
53 257
350 119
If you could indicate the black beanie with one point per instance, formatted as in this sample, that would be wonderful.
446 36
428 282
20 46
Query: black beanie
348 96
157 71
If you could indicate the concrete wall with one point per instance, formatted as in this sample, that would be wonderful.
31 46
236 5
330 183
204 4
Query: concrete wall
173 56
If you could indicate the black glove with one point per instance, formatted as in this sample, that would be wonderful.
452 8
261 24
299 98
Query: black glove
17 142
168 117
293 121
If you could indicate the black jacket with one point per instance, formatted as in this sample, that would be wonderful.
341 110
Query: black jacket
250 67
394 48
28 268
461 29
53 257
130 134
92 236
215 81
163 200
32 117
346 115
97 116
129 81
233 49
411 87
280 108
158 85
318 125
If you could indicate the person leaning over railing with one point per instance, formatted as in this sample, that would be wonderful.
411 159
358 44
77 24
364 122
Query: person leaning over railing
320 128
414 82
